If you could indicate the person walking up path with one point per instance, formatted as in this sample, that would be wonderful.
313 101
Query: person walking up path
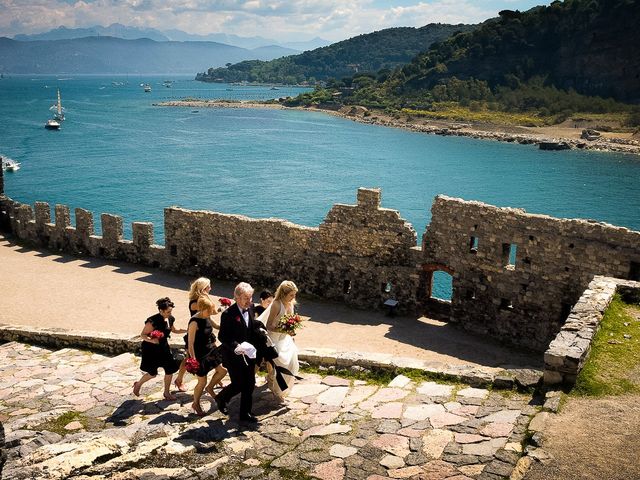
202 348
156 352
238 337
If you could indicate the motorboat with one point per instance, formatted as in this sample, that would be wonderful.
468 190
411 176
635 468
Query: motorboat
9 164
147 87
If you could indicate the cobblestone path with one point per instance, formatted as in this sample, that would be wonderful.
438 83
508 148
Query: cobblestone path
71 414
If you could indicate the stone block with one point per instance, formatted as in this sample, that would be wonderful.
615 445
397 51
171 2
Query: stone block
112 230
142 235
84 224
63 217
43 214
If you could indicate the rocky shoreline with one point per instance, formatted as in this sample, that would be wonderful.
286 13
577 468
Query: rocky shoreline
603 144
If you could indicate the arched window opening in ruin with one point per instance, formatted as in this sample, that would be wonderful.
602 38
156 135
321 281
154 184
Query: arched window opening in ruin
441 286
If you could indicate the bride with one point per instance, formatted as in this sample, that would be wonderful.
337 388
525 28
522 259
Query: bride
286 364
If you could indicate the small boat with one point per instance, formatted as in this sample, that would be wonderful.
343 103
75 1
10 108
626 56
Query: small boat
147 87
275 88
168 83
9 164
52 124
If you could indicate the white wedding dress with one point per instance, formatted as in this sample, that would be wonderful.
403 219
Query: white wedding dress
286 363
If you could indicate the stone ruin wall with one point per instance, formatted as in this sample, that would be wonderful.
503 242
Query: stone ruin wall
525 303
350 257
358 249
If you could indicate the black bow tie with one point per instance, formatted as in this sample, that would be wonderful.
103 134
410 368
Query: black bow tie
245 310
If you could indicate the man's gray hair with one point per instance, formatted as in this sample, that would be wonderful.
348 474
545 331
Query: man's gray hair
242 288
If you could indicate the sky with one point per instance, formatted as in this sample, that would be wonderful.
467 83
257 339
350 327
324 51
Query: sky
282 20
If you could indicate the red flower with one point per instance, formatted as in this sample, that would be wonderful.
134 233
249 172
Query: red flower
192 365
156 334
225 302
237 319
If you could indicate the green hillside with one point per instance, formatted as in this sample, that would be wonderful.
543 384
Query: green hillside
372 52
572 56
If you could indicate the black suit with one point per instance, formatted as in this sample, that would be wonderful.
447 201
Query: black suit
234 331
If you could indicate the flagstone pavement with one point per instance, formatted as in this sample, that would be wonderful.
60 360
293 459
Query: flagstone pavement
71 414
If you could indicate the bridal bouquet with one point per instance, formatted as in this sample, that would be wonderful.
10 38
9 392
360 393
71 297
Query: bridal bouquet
289 323
225 302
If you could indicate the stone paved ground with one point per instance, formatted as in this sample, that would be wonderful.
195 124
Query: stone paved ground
330 428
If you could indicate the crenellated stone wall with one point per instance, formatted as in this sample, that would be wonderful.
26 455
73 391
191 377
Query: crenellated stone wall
363 254
351 257
525 301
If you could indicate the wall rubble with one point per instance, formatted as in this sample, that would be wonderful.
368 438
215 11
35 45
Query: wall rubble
569 350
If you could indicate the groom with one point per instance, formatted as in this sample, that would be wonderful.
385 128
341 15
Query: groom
238 337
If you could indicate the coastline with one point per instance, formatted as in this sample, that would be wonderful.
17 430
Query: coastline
609 142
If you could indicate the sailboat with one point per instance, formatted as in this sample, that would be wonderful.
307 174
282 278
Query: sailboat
58 115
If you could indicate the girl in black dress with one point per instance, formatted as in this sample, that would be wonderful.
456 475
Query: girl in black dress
201 346
155 347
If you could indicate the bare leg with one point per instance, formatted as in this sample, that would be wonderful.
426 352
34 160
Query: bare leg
220 373
180 377
197 394
136 386
167 388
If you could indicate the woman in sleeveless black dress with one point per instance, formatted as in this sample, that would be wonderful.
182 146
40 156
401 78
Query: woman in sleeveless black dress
156 352
201 346
199 287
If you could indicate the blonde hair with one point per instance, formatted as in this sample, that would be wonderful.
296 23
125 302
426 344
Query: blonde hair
205 303
197 287
285 288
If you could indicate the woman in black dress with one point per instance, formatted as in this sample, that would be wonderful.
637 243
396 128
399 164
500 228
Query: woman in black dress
155 347
201 346
199 287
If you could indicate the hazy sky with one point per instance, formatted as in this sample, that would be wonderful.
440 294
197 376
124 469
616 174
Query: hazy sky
283 20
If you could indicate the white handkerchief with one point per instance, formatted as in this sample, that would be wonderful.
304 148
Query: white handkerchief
247 349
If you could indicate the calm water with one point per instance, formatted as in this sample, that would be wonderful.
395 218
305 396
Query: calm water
117 153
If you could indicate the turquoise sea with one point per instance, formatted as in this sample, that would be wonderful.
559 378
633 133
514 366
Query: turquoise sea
117 153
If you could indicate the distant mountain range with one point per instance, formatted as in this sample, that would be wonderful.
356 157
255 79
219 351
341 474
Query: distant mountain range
108 55
133 33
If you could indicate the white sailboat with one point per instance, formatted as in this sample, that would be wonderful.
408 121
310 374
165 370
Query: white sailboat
58 115
58 109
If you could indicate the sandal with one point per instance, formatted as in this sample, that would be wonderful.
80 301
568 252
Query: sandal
180 386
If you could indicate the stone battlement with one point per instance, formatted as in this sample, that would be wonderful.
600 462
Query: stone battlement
515 276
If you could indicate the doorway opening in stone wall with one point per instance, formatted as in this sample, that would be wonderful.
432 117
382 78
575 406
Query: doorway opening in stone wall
437 290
